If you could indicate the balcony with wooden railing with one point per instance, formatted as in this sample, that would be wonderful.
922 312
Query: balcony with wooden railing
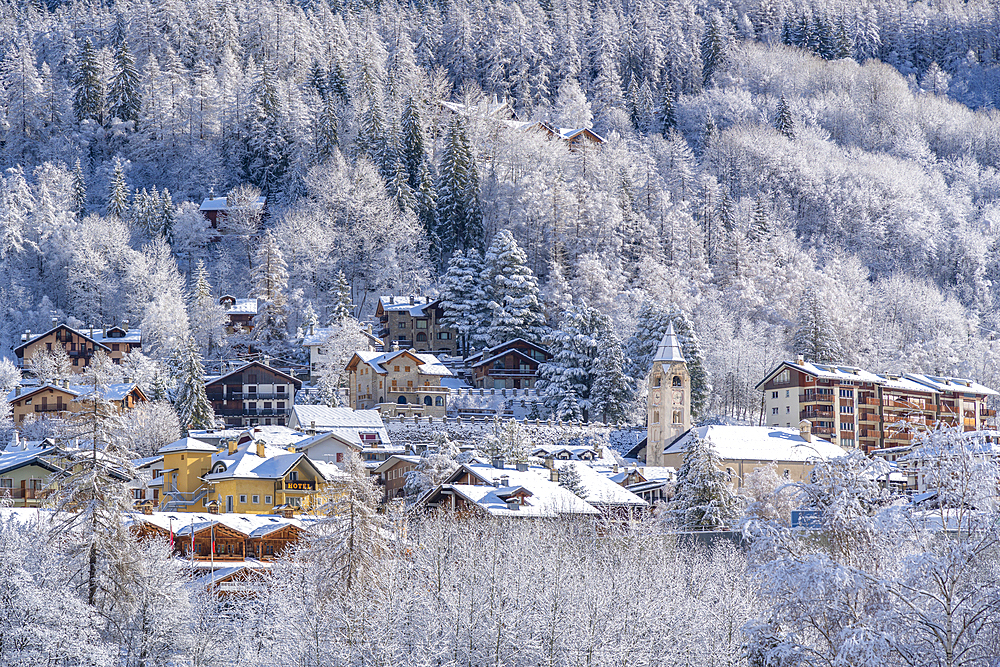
869 417
921 406
812 397
987 412
816 414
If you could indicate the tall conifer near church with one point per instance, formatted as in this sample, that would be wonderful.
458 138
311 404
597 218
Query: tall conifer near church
513 293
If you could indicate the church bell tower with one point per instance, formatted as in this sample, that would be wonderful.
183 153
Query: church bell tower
668 407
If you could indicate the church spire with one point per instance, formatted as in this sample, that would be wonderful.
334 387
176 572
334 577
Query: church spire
669 349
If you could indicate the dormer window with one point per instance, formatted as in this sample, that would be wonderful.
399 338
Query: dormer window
218 467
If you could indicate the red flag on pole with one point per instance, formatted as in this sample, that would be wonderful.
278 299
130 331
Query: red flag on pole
213 538
171 534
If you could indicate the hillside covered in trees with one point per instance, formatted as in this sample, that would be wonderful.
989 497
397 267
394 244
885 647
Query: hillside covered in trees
783 177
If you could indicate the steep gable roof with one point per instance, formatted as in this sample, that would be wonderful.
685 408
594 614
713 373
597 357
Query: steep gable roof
289 378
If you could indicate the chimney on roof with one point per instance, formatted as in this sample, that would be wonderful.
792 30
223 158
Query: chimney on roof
312 428
550 462
498 462
55 321
805 430
392 299
260 448
504 480
553 475
411 299
147 507
513 504
17 390
522 467
65 383
395 346
17 441
287 512
799 359
26 336
213 507
232 446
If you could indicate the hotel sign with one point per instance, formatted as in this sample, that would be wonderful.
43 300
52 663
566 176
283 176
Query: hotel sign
300 486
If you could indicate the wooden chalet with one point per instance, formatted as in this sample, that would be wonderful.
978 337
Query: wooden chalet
80 344
510 365
253 395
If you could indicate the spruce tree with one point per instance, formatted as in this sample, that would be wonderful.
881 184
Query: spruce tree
343 306
566 381
79 189
194 411
88 86
459 214
464 301
759 228
783 121
125 93
702 498
166 214
666 117
270 280
815 337
571 480
267 154
611 393
713 47
512 291
118 193
206 315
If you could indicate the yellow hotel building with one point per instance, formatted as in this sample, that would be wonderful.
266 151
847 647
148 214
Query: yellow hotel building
247 478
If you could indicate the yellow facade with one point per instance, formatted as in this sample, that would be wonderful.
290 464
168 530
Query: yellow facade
738 469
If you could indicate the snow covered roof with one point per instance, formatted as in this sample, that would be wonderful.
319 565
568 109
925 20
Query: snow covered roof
413 304
27 341
222 204
113 392
289 378
504 353
344 423
245 464
427 364
948 384
187 445
145 461
598 488
393 460
273 435
115 335
669 349
548 498
756 443
183 522
33 457
455 383
236 306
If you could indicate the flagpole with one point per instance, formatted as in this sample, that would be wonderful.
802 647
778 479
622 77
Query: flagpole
213 556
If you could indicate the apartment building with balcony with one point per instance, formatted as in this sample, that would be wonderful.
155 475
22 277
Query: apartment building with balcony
63 399
402 382
253 395
80 344
852 407
414 322
510 365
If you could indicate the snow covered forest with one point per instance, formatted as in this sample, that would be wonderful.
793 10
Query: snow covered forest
815 177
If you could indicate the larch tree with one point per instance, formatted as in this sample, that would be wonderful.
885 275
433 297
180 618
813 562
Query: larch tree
270 280
512 291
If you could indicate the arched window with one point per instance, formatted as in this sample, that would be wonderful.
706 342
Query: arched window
656 381
677 381
439 400
427 400
421 338
401 400
677 416
656 416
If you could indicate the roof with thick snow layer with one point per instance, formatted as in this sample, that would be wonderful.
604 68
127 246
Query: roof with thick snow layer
245 464
756 443
187 445
222 203
598 488
345 422
429 364
547 498
949 384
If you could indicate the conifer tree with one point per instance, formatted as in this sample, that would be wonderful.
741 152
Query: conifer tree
166 214
79 189
713 46
566 381
513 293
459 214
571 480
611 393
270 280
326 137
815 337
666 117
194 411
702 499
464 300
343 306
125 93
88 86
568 408
207 316
783 121
758 223
267 151
118 194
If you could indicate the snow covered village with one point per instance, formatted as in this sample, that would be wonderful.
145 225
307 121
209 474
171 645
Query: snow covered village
506 333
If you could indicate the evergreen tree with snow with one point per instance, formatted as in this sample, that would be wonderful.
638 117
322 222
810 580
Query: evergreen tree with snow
270 280
571 480
464 301
125 92
267 150
118 193
611 392
783 121
88 85
79 189
714 45
459 223
702 498
566 381
666 115
759 228
206 315
343 307
815 337
513 293
194 411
